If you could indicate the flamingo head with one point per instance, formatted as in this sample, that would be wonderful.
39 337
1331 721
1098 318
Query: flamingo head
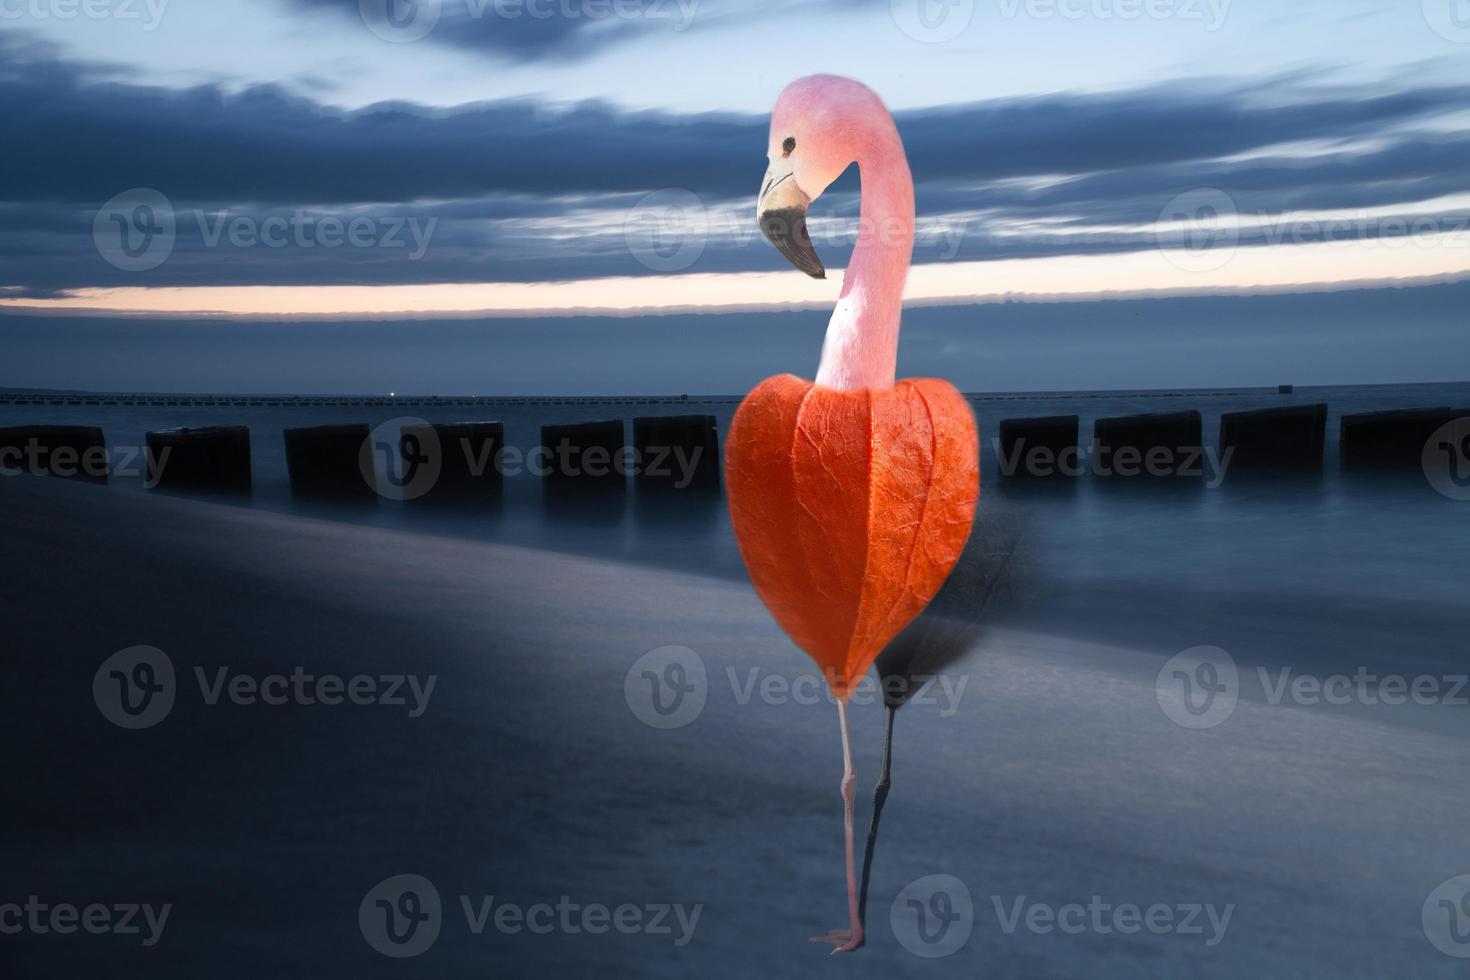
819 128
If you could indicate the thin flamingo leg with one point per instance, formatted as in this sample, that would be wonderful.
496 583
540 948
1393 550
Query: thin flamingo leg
847 940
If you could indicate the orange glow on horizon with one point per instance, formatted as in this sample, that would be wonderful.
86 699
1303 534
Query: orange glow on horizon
1291 268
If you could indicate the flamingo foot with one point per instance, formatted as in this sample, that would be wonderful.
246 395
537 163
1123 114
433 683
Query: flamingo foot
844 940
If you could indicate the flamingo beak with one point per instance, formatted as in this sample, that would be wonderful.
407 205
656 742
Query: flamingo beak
781 211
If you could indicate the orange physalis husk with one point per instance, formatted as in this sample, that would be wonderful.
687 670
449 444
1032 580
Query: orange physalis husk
850 509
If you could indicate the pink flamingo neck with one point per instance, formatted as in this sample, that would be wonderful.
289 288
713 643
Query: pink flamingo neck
861 348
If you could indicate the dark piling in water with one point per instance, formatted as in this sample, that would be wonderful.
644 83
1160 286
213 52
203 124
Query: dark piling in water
1042 448
331 461
1390 440
680 452
1274 439
214 458
1144 446
585 456
75 452
468 454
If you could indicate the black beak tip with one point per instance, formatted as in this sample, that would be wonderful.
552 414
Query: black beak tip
785 228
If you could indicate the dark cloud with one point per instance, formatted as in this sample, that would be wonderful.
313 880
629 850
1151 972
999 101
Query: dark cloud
73 140
82 140
562 30
519 190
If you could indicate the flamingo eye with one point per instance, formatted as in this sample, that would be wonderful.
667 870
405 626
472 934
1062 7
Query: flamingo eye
788 146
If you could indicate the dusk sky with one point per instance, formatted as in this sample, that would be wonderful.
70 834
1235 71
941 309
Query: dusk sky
303 180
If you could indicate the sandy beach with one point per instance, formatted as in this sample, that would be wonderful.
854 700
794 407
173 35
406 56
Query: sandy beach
1044 772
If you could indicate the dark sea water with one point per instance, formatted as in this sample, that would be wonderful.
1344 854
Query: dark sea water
1056 776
